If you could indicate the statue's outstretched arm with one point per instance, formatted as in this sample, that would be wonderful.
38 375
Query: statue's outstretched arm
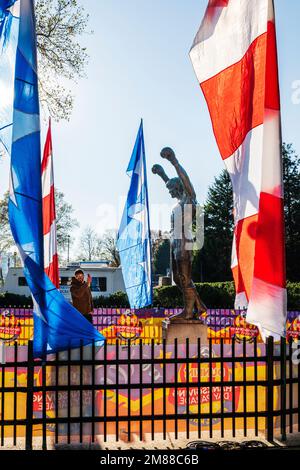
169 155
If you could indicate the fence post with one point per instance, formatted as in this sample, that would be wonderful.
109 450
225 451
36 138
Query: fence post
270 388
2 352
283 386
29 398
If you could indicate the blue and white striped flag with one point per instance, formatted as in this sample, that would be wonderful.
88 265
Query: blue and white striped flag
134 240
57 325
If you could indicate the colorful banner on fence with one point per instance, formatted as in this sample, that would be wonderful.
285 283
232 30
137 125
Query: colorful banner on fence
125 386
126 325
141 401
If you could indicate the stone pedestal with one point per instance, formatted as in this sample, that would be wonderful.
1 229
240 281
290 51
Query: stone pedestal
181 329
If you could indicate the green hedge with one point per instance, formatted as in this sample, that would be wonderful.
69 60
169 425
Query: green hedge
118 299
14 300
217 295
214 295
293 289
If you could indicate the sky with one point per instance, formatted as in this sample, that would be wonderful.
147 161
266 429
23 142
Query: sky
139 68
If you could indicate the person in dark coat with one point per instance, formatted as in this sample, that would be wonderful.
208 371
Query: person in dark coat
81 294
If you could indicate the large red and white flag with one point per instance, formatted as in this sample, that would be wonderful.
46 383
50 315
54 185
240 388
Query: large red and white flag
234 55
49 214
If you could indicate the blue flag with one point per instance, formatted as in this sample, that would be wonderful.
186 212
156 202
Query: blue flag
134 239
57 325
9 31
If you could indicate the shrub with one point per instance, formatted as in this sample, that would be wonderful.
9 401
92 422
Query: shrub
167 297
217 294
293 289
118 299
213 294
14 300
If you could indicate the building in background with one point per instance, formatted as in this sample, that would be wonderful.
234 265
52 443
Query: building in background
105 280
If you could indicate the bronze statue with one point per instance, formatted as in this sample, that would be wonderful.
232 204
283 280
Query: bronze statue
182 218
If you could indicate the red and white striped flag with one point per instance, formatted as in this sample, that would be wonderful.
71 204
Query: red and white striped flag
49 215
234 55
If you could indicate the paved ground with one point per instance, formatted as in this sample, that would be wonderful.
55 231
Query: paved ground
293 441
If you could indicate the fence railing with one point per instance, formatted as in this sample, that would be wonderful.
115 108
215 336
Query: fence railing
147 392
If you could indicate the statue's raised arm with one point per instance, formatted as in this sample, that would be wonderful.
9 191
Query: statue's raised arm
168 154
158 170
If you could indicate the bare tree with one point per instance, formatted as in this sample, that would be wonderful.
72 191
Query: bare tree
108 248
65 223
59 24
89 244
6 239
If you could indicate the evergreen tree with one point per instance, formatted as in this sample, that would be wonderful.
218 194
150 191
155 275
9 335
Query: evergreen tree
291 178
213 262
161 258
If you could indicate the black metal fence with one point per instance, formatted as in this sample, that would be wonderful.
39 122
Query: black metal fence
221 323
148 392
